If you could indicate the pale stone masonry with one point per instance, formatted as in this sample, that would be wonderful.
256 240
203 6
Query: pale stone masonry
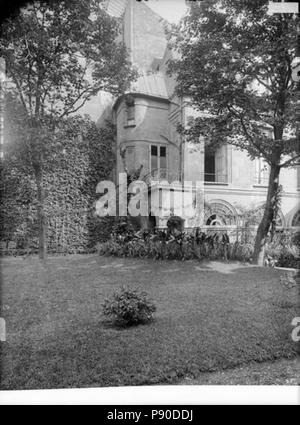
147 117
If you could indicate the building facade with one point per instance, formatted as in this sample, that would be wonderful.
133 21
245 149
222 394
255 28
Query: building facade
147 139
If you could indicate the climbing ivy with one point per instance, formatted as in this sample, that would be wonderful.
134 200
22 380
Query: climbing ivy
83 157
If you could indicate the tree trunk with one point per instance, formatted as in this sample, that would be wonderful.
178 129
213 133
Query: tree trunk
42 226
265 224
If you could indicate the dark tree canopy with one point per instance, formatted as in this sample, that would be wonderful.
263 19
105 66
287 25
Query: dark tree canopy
236 65
60 53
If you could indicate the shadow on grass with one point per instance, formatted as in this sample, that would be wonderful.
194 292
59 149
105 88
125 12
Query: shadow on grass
121 325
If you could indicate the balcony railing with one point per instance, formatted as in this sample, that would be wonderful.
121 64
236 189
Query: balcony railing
215 178
162 174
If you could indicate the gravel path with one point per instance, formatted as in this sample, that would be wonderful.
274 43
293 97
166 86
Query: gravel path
280 372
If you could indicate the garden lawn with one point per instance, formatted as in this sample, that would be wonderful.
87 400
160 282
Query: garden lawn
209 317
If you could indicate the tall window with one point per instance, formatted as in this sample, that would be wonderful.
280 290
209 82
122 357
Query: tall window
130 111
215 165
296 219
262 170
154 157
209 167
158 159
163 157
130 158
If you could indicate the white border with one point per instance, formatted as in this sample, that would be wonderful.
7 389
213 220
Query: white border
158 395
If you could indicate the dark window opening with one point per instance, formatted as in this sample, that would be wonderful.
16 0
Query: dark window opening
163 157
152 221
154 157
159 158
130 110
214 220
209 167
130 113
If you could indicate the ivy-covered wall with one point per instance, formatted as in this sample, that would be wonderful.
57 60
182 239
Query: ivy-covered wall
83 159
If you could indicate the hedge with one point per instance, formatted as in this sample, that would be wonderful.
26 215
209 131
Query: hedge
70 181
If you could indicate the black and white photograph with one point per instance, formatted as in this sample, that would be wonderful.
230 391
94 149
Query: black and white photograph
150 196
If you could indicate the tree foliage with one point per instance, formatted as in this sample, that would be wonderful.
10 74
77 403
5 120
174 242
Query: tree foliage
58 55
235 66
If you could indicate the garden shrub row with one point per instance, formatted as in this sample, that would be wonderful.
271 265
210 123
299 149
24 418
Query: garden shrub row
182 246
179 245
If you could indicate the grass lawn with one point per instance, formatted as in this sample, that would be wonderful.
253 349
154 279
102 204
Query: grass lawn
209 317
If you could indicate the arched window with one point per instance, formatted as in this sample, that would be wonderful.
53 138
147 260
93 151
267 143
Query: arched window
214 220
296 219
262 171
215 165
219 213
257 214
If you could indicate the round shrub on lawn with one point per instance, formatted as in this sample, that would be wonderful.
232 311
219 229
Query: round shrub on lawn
129 306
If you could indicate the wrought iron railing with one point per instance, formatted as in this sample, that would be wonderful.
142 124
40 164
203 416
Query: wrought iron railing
215 178
162 174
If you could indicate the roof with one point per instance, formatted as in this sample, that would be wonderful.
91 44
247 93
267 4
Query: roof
150 84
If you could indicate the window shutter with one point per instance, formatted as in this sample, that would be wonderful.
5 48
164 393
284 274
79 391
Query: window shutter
221 164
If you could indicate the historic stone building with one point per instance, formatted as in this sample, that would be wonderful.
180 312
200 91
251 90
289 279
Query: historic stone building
146 119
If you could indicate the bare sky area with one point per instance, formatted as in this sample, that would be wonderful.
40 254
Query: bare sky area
171 10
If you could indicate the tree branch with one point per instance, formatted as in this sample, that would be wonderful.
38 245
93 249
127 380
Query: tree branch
247 134
69 109
19 88
291 162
